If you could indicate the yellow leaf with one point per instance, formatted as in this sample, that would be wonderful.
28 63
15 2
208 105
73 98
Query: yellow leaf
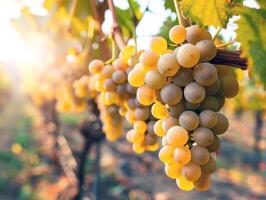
207 12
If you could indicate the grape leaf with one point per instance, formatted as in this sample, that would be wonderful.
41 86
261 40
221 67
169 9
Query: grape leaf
251 34
207 12
169 4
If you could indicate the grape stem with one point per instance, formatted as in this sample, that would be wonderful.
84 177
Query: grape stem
72 12
181 19
230 58
216 33
116 29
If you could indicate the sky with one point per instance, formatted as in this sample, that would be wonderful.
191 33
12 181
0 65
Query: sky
14 49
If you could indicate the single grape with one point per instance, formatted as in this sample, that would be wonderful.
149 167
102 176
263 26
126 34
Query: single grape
224 70
158 45
196 34
131 89
177 136
168 123
165 142
183 77
155 79
166 154
215 145
188 55
142 113
140 126
149 59
109 85
171 94
119 64
213 88
221 101
229 87
146 95
209 103
158 129
168 65
222 124
119 77
159 111
184 184
189 120
177 34
182 155
203 136
131 104
208 119
207 50
173 170
107 71
194 93
205 74
177 109
199 155
136 77
209 167
96 66
203 183
191 171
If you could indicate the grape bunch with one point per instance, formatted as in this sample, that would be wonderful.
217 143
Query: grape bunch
185 92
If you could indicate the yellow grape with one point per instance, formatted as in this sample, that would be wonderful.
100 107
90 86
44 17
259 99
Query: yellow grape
191 171
130 116
146 95
184 184
158 45
158 130
122 111
108 71
119 64
136 77
169 122
159 111
140 126
155 79
166 154
173 170
96 66
182 155
137 137
168 65
177 136
165 142
111 97
153 147
129 136
138 148
149 59
177 34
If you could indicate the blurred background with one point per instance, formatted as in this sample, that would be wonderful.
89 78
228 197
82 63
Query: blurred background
44 47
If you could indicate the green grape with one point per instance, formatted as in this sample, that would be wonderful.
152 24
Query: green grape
209 167
208 119
194 93
229 87
177 109
200 155
222 124
213 88
183 77
188 55
205 74
191 171
209 103
196 34
154 79
171 94
207 50
215 145
168 65
189 120
203 136
109 85
119 77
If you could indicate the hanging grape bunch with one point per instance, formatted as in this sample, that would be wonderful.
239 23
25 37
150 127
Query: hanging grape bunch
186 93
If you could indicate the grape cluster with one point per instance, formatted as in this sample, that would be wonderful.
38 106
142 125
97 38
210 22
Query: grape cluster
185 92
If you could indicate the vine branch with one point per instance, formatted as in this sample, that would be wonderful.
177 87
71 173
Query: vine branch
116 29
181 19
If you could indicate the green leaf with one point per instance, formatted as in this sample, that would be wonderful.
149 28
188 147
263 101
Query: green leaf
262 3
207 12
125 21
136 8
251 34
169 4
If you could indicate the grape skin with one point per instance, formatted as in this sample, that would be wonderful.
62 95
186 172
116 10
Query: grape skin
188 55
189 120
194 93
200 155
222 124
205 74
207 50
208 119
154 79
183 77
203 136
168 65
171 94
